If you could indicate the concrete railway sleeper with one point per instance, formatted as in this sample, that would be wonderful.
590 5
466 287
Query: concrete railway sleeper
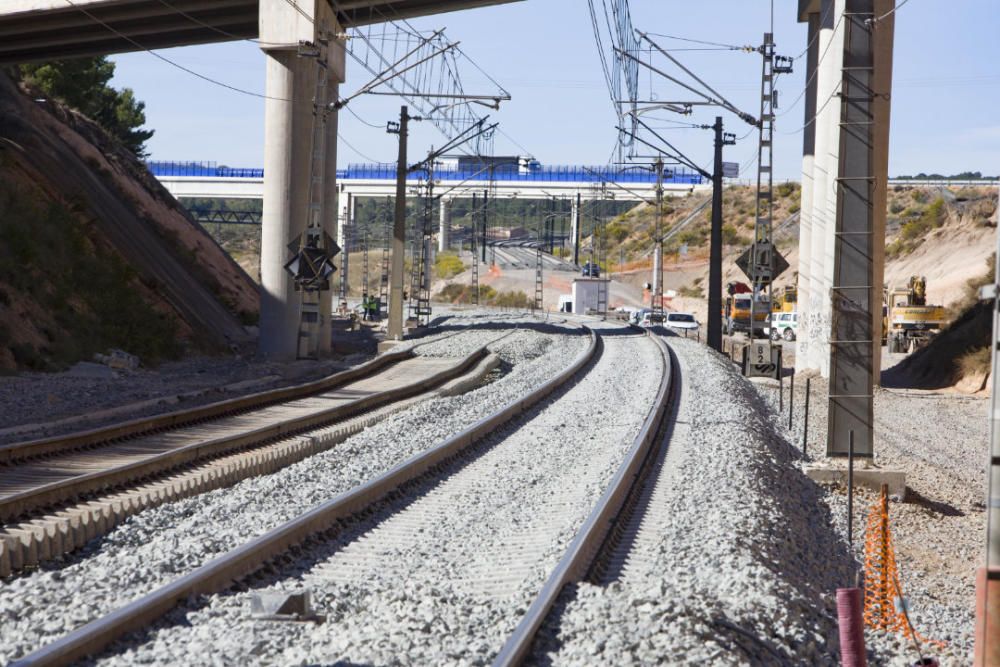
53 534
603 526
99 437
32 484
220 573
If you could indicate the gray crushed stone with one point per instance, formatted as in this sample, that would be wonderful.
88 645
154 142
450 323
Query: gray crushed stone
940 440
745 559
423 602
156 546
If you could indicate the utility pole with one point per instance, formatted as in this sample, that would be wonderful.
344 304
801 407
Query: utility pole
475 255
576 231
486 197
656 294
715 246
394 329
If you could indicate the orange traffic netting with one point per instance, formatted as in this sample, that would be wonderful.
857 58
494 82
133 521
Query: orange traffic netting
884 606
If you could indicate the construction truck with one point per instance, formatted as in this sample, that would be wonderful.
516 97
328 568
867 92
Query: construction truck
736 313
908 323
786 300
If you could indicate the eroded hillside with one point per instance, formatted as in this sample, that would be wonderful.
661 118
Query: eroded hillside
94 253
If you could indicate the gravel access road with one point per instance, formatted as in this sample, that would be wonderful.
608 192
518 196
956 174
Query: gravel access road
736 561
156 546
441 574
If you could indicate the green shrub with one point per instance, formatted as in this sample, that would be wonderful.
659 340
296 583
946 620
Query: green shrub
92 294
786 189
447 265
511 299
694 237
731 235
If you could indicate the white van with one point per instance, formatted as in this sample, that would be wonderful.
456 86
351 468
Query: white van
681 322
783 325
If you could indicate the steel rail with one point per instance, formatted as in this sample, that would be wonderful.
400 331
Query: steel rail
20 451
47 495
589 541
37 448
220 573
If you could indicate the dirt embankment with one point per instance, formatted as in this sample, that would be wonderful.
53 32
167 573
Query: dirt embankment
94 253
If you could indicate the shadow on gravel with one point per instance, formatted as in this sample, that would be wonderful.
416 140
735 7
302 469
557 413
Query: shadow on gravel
936 506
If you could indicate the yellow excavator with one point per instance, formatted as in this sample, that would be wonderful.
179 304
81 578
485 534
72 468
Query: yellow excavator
908 323
786 300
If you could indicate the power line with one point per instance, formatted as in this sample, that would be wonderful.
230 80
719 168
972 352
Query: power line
351 146
730 47
169 61
225 33
877 19
835 93
355 114
815 69
822 18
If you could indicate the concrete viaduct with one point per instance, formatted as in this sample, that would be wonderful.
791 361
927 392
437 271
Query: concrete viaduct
32 30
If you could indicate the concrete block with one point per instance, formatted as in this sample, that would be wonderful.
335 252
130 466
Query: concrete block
388 345
871 478
280 606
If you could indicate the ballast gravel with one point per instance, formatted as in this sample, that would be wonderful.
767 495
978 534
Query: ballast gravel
741 560
154 547
941 441
441 575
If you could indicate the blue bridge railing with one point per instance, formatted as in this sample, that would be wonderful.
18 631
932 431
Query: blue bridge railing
541 173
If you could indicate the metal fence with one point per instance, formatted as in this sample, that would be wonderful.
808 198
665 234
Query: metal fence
547 174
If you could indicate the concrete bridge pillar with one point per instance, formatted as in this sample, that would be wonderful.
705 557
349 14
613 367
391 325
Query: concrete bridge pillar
806 205
824 186
444 231
288 123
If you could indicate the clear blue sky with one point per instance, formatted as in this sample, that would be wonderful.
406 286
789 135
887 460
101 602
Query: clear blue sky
944 110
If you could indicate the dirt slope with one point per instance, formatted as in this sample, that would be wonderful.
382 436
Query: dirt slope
90 199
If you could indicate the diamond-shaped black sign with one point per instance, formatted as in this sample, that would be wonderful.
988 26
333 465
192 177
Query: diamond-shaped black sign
310 265
765 273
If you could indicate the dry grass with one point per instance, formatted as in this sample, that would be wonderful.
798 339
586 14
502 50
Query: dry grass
976 362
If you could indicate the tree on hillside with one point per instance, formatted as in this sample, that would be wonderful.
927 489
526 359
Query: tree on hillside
82 83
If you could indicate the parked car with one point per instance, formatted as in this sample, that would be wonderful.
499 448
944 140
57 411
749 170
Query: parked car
783 325
591 270
649 319
682 322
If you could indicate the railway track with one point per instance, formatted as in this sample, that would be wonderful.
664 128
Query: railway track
419 495
57 494
602 548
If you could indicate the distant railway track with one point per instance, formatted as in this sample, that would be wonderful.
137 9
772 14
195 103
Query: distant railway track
220 573
58 493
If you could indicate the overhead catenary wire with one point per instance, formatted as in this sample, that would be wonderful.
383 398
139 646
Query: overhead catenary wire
168 60
731 47
886 15
815 71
